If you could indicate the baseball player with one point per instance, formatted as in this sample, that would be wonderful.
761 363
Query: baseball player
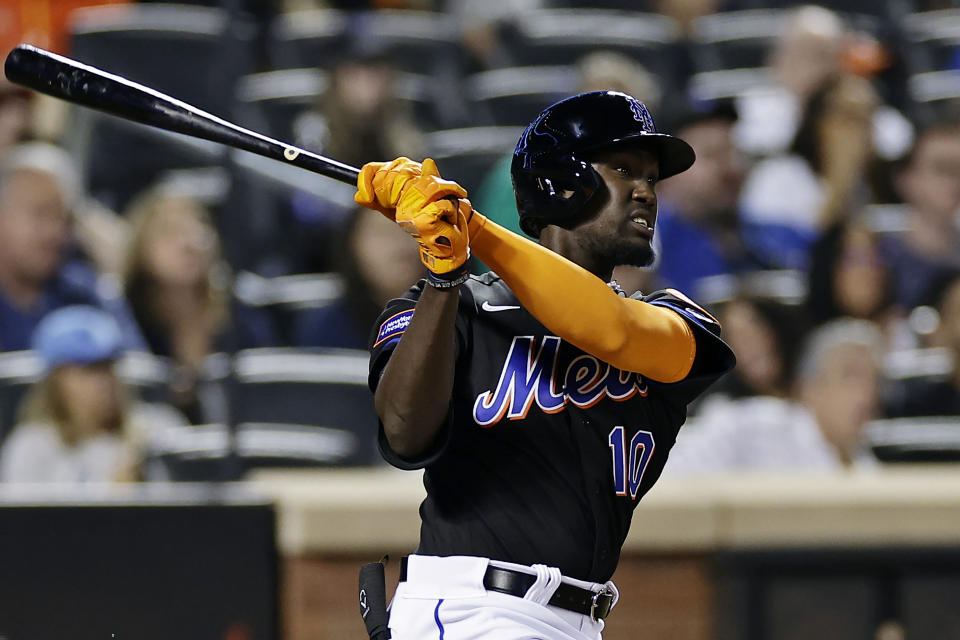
539 400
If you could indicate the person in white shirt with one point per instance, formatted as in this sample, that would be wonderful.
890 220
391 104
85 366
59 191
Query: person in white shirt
836 396
79 422
809 49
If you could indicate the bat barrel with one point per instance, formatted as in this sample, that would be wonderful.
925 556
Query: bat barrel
70 80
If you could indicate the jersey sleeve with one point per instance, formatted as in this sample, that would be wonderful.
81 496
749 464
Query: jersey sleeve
713 357
385 335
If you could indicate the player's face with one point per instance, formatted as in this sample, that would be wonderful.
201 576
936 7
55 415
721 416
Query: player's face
619 231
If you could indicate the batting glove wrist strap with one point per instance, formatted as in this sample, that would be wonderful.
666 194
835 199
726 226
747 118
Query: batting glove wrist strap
450 279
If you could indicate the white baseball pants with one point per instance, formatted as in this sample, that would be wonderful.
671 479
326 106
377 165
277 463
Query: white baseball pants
444 599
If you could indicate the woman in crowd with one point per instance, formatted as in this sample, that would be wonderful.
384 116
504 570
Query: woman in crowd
849 276
825 174
766 335
80 423
179 291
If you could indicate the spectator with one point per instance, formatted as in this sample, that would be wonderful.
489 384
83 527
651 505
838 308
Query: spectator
698 209
376 264
810 49
850 276
80 423
15 104
481 27
179 291
930 187
935 396
685 12
824 175
38 189
836 395
766 335
357 118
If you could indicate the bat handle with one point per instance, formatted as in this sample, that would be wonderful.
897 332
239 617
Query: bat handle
324 166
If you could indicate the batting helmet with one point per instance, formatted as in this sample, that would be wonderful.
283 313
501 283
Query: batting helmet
552 176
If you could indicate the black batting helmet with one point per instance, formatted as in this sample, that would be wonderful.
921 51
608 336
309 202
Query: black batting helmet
552 177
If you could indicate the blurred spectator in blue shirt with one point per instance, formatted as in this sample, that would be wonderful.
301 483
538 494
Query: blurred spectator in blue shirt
38 188
698 231
80 423
930 187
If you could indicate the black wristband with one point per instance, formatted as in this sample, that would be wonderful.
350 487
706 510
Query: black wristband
449 280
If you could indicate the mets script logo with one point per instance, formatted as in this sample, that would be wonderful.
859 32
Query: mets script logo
529 375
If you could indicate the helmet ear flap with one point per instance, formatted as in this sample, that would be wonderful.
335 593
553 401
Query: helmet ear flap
555 195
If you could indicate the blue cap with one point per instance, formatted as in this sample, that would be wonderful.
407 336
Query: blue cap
78 334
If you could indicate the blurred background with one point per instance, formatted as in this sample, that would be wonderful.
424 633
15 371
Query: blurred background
186 437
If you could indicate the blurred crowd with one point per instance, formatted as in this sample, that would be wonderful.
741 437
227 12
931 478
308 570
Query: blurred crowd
820 223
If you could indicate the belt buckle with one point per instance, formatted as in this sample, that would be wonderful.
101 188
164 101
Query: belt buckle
600 604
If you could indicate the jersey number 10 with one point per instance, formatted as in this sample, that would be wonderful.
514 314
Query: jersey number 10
629 463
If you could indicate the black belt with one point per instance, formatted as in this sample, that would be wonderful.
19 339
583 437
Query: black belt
597 605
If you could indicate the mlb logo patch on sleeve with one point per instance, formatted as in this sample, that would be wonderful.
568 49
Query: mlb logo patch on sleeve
394 326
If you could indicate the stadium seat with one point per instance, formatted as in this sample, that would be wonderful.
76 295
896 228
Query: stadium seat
923 439
146 374
296 407
196 54
725 84
414 41
466 155
932 58
288 297
786 286
878 9
19 370
562 36
270 102
194 453
735 39
273 102
934 38
935 92
514 96
316 38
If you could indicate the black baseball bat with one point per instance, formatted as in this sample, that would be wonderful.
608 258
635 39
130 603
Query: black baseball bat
82 84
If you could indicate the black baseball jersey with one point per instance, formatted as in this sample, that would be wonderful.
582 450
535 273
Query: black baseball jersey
547 450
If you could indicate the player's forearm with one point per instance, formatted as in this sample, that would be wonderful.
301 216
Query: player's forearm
413 396
580 308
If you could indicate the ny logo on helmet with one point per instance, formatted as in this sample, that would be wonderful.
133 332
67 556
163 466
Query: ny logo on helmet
640 114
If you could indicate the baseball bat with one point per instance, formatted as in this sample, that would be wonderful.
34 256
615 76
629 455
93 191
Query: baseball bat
82 84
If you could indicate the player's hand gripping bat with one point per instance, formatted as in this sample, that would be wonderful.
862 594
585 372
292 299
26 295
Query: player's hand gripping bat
72 81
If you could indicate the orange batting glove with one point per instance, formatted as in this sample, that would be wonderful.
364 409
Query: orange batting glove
380 183
436 212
